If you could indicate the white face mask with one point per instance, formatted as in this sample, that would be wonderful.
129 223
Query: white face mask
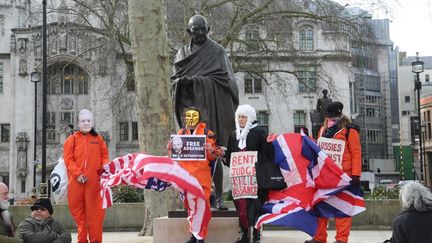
85 121
4 204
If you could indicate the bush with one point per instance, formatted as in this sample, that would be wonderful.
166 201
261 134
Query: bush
382 192
126 194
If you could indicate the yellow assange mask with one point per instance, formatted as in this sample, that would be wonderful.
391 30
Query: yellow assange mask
192 118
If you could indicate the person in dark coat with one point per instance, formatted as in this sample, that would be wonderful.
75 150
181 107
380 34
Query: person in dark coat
413 224
249 137
41 227
7 225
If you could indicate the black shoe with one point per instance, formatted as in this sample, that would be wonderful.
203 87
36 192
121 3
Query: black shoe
220 205
243 238
192 240
256 236
201 241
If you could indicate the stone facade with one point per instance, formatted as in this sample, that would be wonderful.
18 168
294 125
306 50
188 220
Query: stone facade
85 71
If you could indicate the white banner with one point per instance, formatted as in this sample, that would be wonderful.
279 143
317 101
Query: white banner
334 148
242 174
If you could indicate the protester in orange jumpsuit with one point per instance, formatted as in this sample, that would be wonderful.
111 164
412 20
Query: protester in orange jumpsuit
84 153
339 127
201 170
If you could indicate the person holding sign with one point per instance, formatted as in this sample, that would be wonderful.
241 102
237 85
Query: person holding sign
247 137
200 169
340 139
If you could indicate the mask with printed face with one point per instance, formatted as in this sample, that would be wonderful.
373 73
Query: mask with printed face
85 121
192 118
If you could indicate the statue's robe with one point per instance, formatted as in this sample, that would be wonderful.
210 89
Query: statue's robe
213 90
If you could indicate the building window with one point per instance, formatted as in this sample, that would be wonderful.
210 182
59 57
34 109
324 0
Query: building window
67 78
426 77
374 136
263 119
252 38
407 99
253 84
306 38
51 126
134 131
23 186
1 78
427 124
299 120
5 133
124 131
130 77
307 79
67 118
6 180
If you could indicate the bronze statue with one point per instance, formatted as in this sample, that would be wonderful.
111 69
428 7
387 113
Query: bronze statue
322 104
203 77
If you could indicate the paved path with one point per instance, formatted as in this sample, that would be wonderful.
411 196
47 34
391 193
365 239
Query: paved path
273 236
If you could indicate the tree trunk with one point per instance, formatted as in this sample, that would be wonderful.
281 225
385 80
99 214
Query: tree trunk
151 64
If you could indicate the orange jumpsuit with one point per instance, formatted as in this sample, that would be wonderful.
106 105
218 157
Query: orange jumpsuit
85 154
201 170
351 165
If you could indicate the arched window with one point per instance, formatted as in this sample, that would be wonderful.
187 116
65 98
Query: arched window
306 38
67 78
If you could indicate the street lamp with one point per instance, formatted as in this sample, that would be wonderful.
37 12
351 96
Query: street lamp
417 68
43 189
35 78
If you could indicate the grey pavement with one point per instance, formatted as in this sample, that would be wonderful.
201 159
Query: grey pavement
273 236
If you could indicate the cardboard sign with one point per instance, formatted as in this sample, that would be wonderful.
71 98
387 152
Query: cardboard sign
188 147
242 174
334 148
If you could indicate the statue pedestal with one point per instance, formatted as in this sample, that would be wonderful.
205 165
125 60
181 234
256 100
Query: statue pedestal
223 227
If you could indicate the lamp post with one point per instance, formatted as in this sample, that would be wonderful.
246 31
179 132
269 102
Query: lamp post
35 78
43 189
417 68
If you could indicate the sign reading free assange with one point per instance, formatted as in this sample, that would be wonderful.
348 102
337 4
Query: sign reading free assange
242 174
188 147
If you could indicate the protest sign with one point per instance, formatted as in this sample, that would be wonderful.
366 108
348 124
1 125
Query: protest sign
334 148
242 174
188 147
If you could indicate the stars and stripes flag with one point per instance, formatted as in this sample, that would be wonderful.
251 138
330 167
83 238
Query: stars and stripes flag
316 186
157 172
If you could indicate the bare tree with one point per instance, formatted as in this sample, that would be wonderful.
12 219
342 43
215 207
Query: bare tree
150 55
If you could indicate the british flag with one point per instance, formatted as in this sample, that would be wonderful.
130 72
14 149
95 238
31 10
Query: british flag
316 186
157 172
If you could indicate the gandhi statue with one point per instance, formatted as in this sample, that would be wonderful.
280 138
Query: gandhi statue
203 78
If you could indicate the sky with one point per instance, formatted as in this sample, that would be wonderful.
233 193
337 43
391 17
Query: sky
410 22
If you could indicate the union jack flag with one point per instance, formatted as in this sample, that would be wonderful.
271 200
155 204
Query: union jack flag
157 172
316 186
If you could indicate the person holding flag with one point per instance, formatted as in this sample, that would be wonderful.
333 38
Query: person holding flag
201 170
340 139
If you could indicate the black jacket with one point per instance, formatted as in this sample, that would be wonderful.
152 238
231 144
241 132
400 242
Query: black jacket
412 226
255 141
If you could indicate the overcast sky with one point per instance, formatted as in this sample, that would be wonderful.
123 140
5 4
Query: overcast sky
411 22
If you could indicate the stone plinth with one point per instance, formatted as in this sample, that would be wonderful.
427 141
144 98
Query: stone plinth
221 230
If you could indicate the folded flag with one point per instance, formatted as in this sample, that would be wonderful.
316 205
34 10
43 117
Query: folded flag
156 173
316 187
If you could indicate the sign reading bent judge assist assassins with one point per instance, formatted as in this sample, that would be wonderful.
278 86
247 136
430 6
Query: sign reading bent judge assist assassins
242 174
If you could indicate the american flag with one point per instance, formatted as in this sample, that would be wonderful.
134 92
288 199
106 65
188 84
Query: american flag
316 187
157 172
